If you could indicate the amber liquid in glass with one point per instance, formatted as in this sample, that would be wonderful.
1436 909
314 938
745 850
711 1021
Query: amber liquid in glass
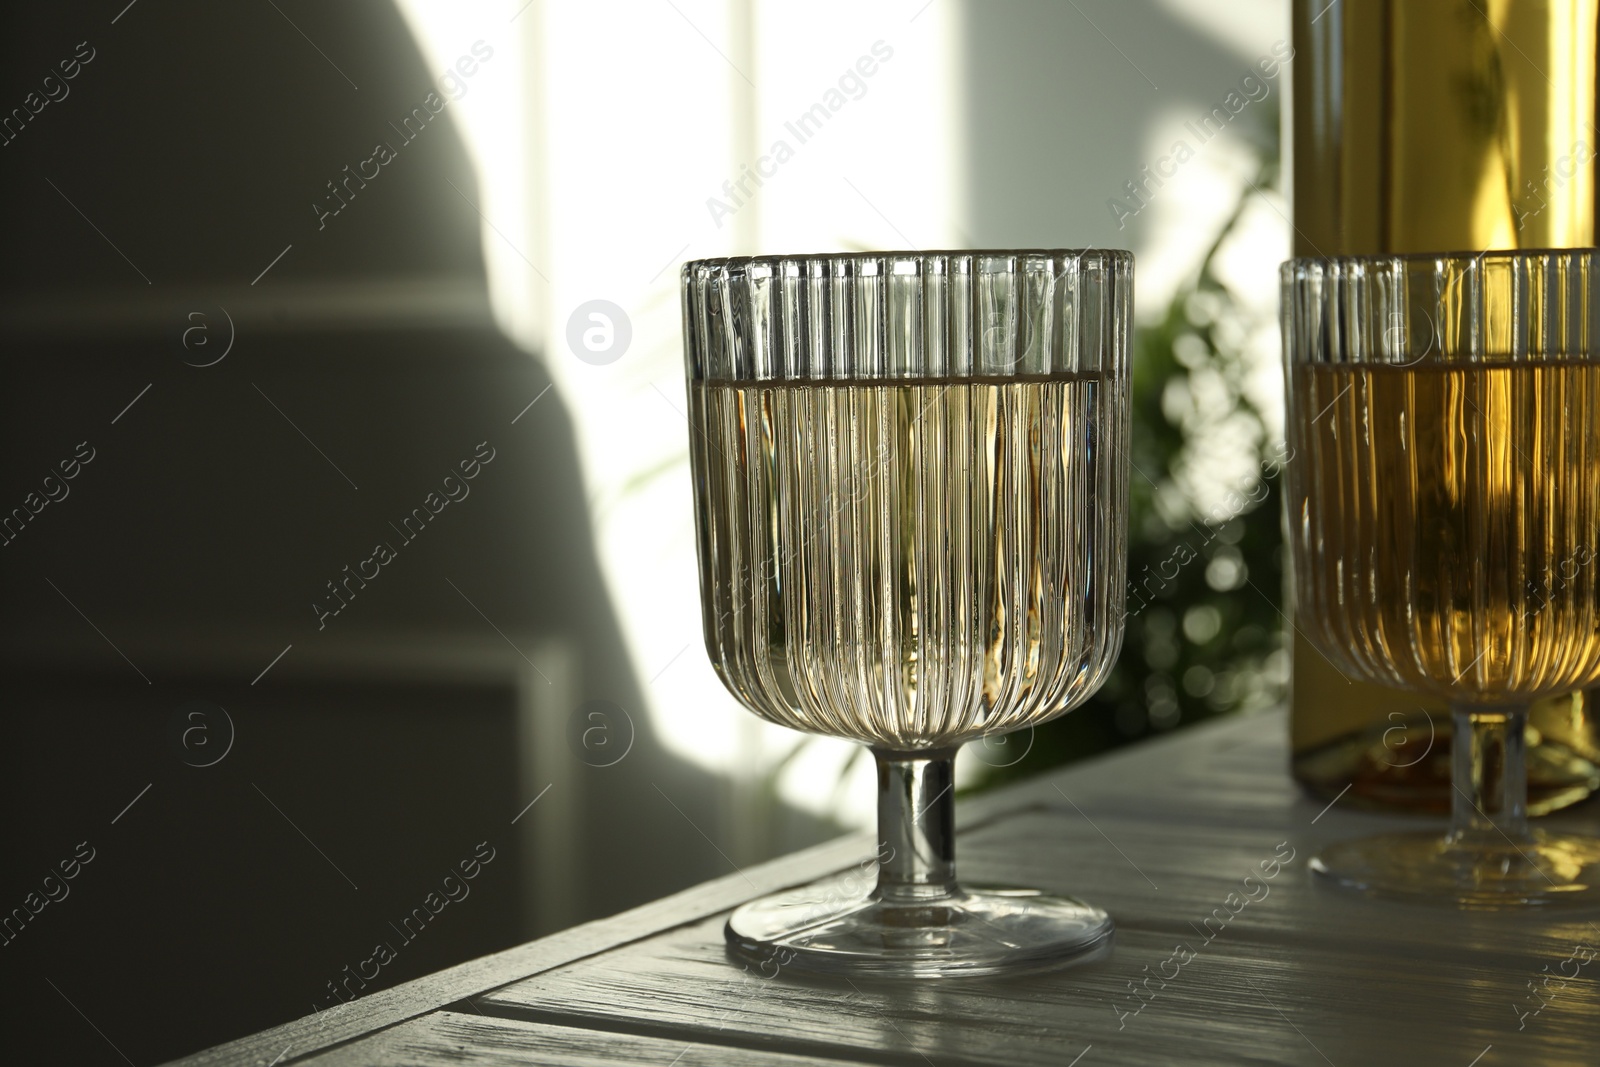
1404 165
1453 513
892 562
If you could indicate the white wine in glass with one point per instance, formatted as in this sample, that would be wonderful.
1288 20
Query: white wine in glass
911 498
1444 513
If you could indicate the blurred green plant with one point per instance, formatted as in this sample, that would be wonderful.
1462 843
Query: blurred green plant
1204 630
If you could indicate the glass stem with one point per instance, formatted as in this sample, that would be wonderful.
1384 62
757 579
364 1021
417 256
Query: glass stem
1489 773
916 826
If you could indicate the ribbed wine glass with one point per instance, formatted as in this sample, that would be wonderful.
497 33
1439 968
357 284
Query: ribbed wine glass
1444 511
910 485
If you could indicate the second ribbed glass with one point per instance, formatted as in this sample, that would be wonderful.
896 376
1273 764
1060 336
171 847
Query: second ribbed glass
911 504
1444 515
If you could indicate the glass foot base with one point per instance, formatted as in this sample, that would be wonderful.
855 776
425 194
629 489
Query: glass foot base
828 929
1550 869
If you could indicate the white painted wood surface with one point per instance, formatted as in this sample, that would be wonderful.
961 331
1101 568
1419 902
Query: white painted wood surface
1160 835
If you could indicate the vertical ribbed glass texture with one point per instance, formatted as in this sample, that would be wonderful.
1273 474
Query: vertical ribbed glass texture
910 485
1444 494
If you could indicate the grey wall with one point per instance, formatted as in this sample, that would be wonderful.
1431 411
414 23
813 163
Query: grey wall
1060 102
188 553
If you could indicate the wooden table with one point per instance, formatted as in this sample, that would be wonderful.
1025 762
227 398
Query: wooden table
1163 835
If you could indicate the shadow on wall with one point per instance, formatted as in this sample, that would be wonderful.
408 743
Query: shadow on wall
300 608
